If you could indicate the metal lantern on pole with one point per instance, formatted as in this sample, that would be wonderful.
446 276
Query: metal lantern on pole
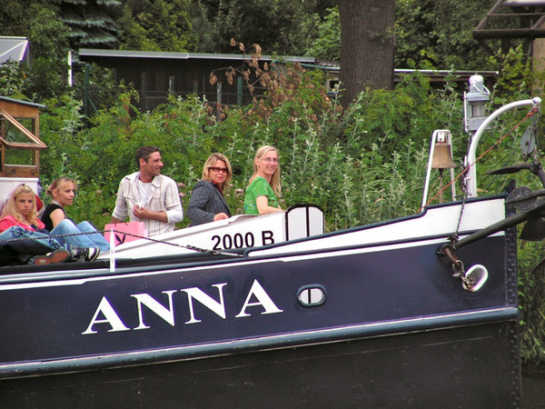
474 103
474 115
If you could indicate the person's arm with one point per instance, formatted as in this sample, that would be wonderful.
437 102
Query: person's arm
144 213
197 204
57 216
262 203
174 212
120 212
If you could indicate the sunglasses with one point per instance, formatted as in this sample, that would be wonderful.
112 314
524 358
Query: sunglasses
215 169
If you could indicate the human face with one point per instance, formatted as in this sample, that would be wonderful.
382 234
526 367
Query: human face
218 172
24 203
65 193
151 167
267 164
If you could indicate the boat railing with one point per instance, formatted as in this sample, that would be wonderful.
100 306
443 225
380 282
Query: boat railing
470 161
442 138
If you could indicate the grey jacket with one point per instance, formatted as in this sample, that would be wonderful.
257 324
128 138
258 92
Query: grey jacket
206 201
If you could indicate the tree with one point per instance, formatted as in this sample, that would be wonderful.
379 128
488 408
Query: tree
327 44
38 21
438 34
92 22
279 26
157 25
367 46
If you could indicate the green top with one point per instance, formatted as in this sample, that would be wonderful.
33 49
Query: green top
259 187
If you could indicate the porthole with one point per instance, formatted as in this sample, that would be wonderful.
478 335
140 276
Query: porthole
312 295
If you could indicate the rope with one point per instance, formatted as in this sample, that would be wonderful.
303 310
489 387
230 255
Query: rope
530 113
186 246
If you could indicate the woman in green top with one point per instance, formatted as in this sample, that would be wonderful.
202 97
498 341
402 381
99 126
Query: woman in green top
264 187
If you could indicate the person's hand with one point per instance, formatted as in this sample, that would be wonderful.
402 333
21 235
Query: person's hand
220 216
140 212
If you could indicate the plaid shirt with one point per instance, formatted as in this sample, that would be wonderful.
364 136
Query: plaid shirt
165 197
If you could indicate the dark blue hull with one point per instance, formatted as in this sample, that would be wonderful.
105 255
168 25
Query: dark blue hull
450 368
350 327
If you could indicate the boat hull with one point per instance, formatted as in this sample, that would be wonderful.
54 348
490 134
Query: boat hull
448 368
302 324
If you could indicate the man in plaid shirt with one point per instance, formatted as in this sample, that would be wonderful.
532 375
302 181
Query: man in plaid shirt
148 196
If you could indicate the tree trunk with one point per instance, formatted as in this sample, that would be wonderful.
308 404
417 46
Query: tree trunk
367 46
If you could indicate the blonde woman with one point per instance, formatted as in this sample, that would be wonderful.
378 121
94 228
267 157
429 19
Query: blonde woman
83 236
22 233
264 186
207 203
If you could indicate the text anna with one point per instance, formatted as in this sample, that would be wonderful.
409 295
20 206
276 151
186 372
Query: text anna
107 319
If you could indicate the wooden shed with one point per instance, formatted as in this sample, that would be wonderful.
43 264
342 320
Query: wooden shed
158 74
20 143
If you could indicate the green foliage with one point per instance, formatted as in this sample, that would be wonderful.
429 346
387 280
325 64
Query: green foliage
437 34
532 301
282 26
47 35
372 173
158 25
44 77
516 73
326 45
11 80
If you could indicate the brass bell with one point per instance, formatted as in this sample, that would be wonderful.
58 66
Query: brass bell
442 156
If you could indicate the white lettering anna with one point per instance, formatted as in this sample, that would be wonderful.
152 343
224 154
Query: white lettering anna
105 313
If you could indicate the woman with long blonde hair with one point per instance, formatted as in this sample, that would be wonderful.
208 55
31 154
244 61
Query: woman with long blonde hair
207 203
21 209
264 186
23 237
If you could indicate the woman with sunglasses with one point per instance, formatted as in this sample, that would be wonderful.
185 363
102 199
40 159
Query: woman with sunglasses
263 189
207 203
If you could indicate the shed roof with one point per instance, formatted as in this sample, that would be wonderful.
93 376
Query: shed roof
523 3
12 48
91 54
21 102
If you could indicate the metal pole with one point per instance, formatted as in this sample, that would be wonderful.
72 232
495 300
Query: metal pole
470 158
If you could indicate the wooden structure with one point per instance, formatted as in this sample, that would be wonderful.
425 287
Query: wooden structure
10 111
513 19
510 19
16 142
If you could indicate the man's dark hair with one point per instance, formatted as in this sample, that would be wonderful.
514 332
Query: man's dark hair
144 152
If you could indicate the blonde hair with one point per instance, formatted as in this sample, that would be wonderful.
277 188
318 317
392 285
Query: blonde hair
57 183
210 162
10 209
275 179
